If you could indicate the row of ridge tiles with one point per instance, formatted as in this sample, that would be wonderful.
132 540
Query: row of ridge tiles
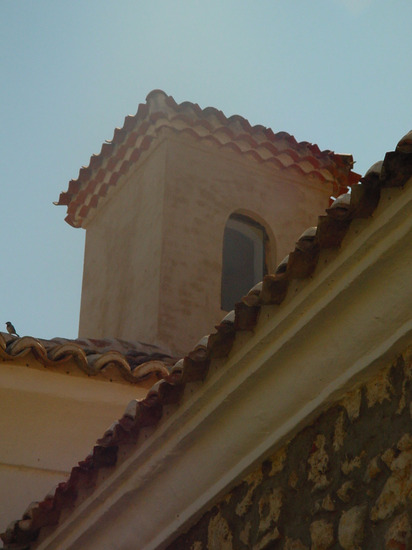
106 358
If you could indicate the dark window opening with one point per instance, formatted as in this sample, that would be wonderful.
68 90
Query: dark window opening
244 258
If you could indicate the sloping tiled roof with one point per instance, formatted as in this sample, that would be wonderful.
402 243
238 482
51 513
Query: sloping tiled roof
106 359
395 171
161 112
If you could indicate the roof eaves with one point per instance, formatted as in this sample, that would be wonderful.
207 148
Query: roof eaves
162 111
130 363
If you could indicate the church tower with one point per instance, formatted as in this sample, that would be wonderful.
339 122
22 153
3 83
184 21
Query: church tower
184 210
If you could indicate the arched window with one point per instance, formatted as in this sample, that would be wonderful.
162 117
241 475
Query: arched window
244 258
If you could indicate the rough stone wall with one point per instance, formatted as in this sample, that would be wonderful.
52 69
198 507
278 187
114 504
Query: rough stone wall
345 481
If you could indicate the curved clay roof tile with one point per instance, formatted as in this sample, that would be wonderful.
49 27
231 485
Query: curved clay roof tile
281 268
405 144
376 169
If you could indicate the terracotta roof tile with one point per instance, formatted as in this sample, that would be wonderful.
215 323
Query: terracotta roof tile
395 170
162 114
105 359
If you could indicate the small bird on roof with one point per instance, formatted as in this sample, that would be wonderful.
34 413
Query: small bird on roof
11 330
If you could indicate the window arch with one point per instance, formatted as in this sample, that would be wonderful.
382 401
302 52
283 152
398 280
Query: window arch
244 261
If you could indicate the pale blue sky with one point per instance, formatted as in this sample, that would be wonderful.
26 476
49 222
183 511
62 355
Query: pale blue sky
333 72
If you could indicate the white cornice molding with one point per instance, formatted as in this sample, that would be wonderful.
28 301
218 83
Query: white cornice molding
341 324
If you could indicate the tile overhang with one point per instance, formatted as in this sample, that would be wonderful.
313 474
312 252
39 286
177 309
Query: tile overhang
161 113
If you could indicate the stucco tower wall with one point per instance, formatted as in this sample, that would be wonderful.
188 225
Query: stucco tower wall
120 292
204 186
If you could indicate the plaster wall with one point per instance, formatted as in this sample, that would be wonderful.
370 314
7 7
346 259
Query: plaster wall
204 186
50 422
20 486
121 273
